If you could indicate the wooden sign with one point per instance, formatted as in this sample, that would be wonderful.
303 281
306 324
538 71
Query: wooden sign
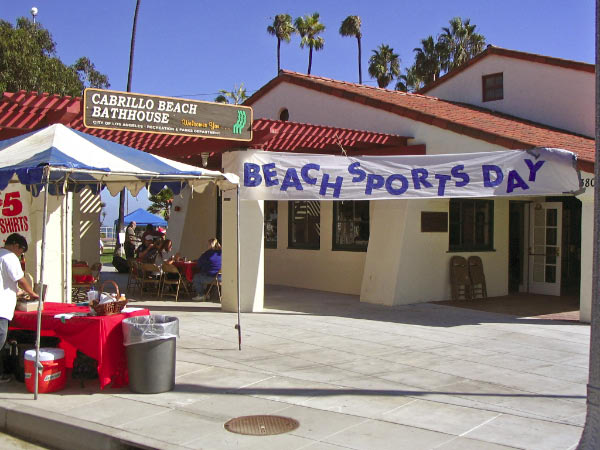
434 222
114 110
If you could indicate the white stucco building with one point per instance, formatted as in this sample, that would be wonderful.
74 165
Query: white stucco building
401 263
385 251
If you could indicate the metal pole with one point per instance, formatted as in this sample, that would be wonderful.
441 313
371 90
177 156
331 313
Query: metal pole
118 243
42 292
590 439
237 247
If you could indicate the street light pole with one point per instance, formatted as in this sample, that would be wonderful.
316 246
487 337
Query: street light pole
129 75
590 439
34 12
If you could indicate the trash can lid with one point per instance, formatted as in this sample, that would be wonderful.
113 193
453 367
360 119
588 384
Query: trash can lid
46 354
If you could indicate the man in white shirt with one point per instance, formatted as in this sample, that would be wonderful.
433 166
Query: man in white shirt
11 278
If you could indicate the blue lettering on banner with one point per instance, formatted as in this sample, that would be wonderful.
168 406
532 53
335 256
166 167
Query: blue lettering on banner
270 174
396 191
373 182
337 186
514 180
304 173
419 177
533 168
457 172
395 184
442 186
291 180
252 176
487 181
353 169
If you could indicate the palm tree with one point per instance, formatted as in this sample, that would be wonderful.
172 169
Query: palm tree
384 65
161 203
409 82
309 29
461 42
237 95
351 27
282 29
428 59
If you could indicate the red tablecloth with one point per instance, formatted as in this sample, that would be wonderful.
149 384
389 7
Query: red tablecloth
187 269
83 279
100 337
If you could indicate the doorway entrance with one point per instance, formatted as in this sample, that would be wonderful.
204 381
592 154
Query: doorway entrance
544 255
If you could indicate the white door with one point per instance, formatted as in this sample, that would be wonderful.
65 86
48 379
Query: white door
544 248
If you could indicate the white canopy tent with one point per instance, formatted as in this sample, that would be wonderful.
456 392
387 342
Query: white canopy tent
57 159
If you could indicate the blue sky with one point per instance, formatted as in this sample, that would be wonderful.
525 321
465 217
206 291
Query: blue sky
193 48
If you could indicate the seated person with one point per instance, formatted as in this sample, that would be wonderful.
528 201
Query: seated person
208 266
165 255
147 251
148 231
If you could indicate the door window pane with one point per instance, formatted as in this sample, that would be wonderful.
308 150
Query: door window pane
351 225
271 224
304 225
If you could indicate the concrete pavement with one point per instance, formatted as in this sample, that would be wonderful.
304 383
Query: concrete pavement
355 376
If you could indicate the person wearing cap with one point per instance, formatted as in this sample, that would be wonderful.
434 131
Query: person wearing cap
150 231
11 278
142 252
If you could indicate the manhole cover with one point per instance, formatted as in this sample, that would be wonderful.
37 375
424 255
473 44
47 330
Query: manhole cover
261 425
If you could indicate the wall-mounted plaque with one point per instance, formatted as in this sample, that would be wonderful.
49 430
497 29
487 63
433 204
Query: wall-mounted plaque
434 222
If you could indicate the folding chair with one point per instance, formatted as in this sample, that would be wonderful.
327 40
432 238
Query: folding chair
134 277
176 279
96 269
150 277
216 282
460 282
478 287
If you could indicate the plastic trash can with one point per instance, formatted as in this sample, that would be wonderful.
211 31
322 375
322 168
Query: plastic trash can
150 342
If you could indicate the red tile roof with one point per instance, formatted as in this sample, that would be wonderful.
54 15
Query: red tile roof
479 123
532 57
22 112
301 137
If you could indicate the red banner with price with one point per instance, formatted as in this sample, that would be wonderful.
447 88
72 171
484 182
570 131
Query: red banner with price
14 213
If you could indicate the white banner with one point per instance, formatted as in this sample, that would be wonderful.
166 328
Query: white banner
289 176
14 212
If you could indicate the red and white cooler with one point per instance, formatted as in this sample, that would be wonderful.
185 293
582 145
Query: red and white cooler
53 375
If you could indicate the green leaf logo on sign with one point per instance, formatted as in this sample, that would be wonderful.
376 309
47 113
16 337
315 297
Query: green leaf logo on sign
238 127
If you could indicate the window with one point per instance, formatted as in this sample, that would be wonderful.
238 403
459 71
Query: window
284 115
304 225
471 225
270 224
351 225
493 87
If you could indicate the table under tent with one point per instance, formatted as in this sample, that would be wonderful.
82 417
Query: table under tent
58 161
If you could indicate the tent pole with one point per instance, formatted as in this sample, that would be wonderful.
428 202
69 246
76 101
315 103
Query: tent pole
237 246
41 292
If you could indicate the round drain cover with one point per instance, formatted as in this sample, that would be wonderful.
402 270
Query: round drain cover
261 425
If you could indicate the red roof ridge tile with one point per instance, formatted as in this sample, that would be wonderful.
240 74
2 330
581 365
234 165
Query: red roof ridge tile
349 83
